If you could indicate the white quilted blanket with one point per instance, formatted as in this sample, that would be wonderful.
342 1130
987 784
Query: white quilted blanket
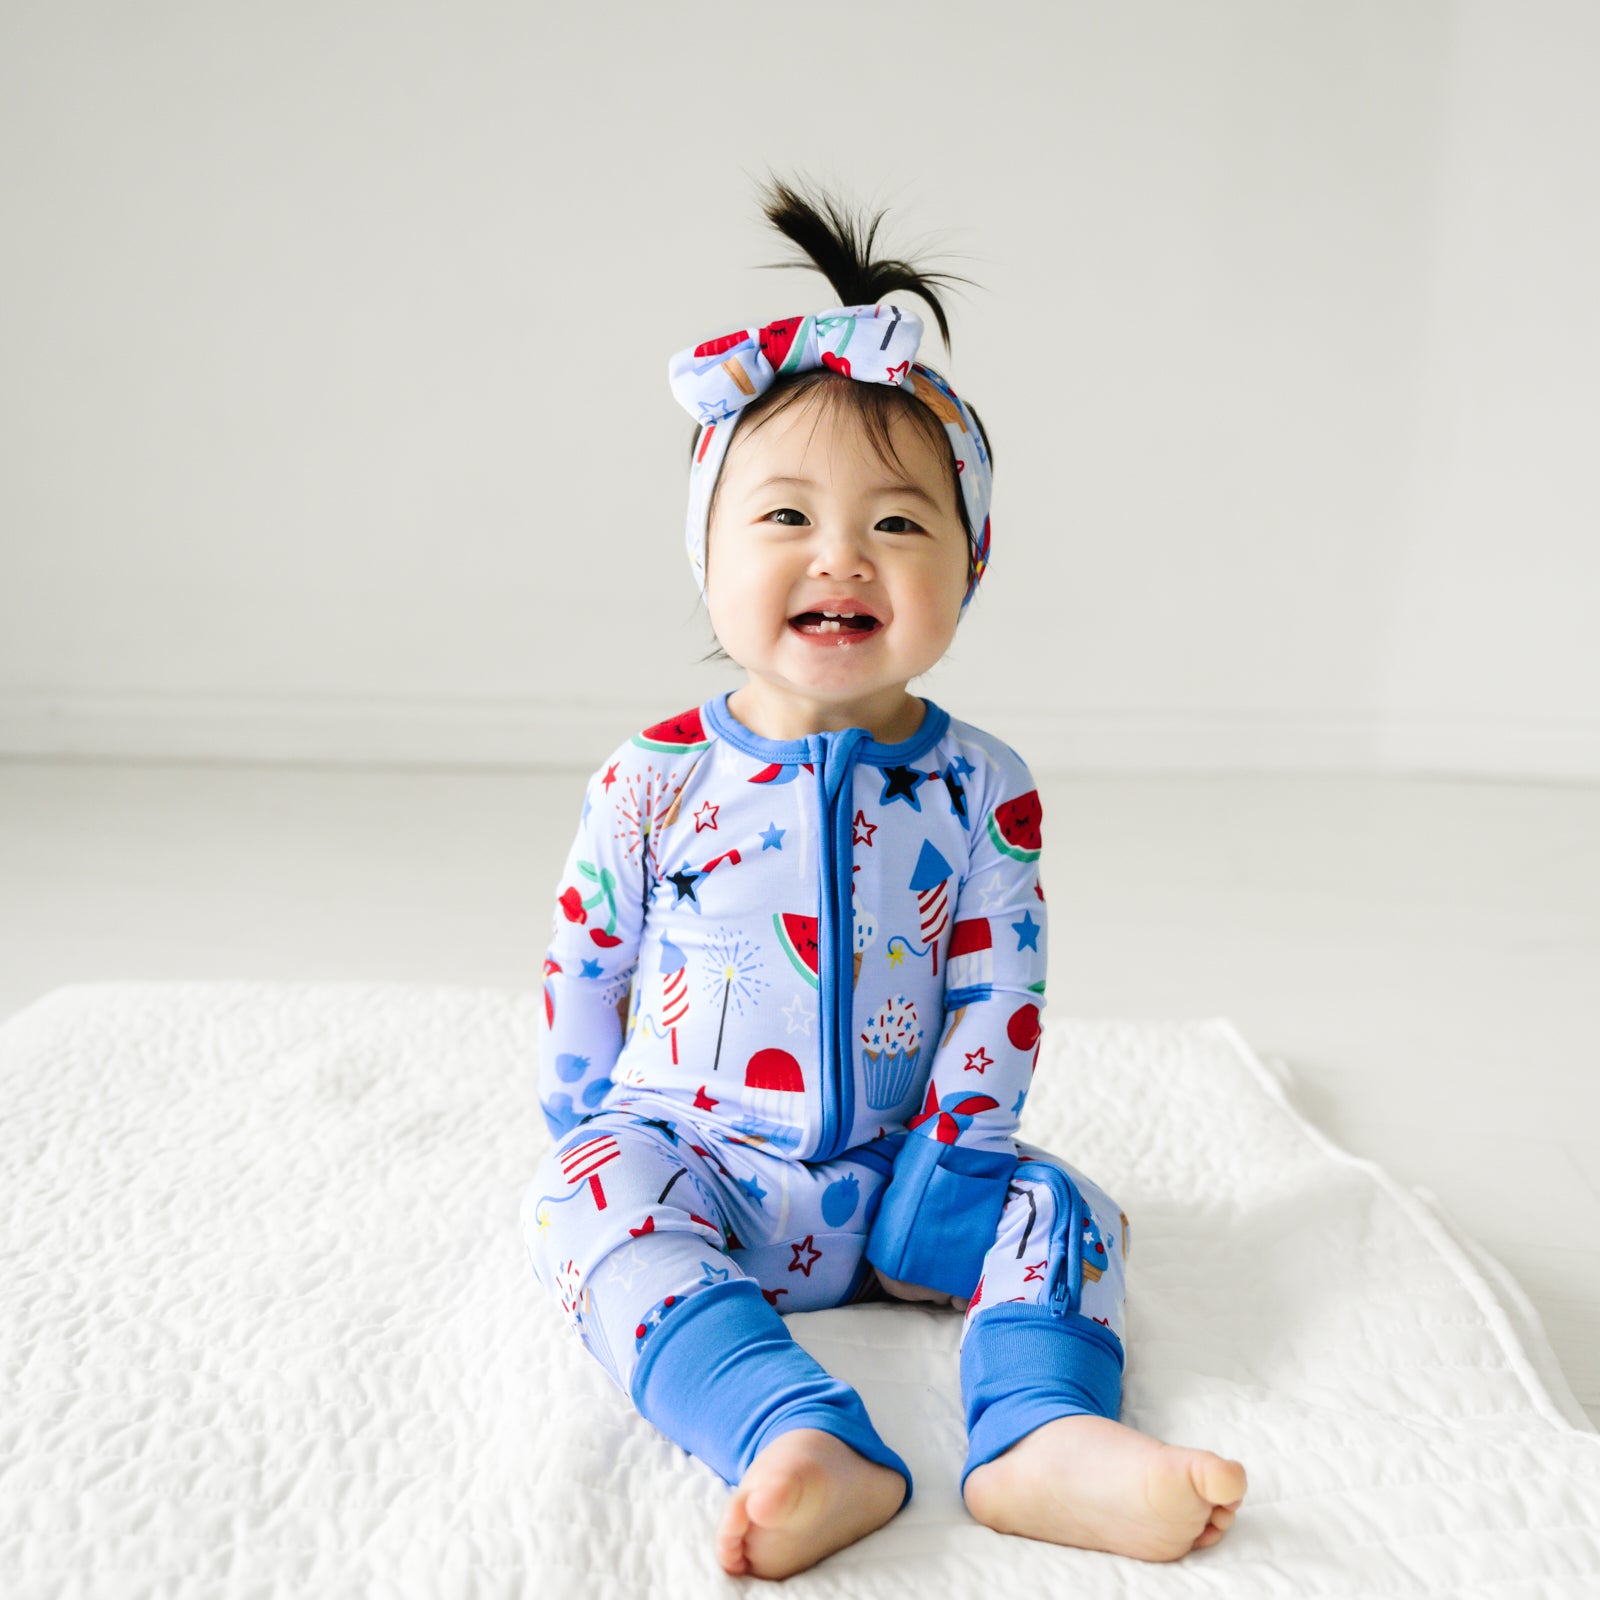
268 1329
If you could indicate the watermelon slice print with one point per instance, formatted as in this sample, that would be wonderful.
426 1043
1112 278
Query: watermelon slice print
1014 826
675 735
797 935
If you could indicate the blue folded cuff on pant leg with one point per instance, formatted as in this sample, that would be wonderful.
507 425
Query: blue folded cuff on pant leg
722 1377
1023 1365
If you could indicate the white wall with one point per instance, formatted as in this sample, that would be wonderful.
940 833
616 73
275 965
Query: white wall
334 421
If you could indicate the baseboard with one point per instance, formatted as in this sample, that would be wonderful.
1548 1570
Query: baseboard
330 730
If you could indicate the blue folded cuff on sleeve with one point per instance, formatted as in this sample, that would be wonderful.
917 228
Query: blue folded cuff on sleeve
939 1214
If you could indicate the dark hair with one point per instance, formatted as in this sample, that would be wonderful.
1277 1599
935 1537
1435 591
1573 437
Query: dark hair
833 245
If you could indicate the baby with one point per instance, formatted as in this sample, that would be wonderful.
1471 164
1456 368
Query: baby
792 999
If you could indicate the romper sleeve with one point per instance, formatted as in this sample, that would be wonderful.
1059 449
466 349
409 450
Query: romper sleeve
594 944
942 1205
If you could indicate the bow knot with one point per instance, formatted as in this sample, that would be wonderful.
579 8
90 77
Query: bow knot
873 344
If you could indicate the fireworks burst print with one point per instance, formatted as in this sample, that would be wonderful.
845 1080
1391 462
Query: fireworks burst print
640 811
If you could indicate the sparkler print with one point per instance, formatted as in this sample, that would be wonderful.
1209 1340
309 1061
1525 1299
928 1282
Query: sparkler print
733 965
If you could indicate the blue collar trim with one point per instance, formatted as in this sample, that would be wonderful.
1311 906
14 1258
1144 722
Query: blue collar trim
787 752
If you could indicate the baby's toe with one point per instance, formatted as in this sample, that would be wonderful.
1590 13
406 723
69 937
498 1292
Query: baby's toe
731 1533
1216 1478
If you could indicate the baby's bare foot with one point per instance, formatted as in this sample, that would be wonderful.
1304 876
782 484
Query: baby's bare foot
1089 1481
804 1496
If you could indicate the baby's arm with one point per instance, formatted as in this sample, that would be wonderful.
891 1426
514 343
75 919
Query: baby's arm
594 947
943 1203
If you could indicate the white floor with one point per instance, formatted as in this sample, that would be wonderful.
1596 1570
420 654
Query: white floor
1425 954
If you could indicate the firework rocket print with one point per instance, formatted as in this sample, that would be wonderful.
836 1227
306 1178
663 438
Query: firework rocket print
930 882
674 991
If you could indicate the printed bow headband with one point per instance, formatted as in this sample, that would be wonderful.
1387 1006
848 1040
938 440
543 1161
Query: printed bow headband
714 381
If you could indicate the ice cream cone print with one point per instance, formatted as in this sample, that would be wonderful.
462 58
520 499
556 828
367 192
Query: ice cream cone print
866 930
1094 1252
955 1020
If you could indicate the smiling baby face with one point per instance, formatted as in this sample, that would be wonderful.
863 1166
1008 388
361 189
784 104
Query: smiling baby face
808 519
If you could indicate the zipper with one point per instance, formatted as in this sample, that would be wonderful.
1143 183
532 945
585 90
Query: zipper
834 756
1066 1283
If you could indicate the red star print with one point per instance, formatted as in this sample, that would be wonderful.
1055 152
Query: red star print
771 1295
805 1266
710 822
610 777
861 822
1035 1273
977 1060
649 1227
702 1102
1038 888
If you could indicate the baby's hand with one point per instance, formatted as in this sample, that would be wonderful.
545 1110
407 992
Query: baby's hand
915 1291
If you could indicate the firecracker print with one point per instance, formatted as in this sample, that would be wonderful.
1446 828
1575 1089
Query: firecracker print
930 883
674 991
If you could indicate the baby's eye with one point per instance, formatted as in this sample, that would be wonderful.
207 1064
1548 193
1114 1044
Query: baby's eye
790 510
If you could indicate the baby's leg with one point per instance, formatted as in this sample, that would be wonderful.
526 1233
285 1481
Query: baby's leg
642 1272
1041 1378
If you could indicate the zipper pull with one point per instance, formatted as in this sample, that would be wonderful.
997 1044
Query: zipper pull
1061 1285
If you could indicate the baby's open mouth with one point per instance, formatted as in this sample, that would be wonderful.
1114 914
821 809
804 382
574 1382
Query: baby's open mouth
814 622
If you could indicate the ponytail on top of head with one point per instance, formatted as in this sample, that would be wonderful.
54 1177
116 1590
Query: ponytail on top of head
832 241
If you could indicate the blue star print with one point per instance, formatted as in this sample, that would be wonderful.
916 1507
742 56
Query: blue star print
752 1189
1027 932
714 1274
591 969
772 839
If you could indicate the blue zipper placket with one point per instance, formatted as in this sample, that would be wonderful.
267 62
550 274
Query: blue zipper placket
833 757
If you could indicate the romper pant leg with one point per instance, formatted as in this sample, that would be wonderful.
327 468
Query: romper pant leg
626 1223
1043 1335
